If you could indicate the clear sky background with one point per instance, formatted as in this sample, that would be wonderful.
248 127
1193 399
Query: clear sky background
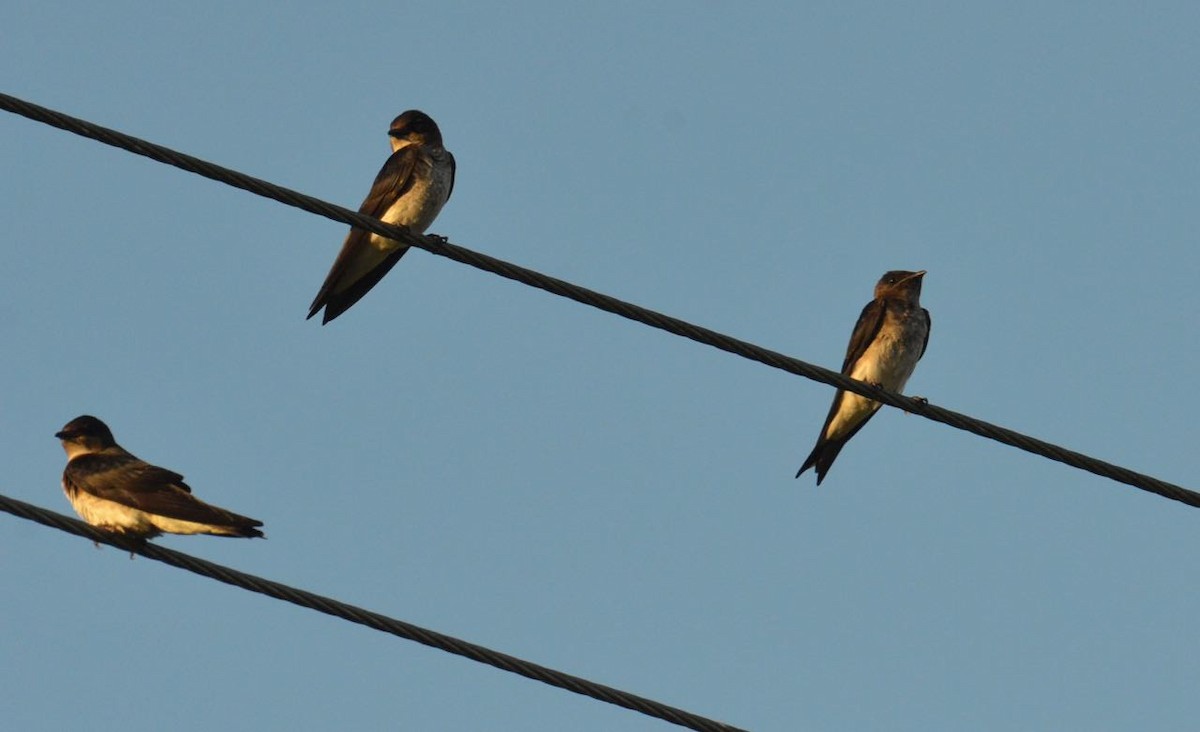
484 459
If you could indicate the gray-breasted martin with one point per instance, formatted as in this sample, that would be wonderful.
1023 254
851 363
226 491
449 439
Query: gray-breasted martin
411 188
888 340
114 490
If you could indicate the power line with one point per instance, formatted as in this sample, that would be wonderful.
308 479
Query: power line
441 247
373 620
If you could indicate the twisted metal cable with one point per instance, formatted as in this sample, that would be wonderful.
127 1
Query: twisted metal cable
441 247
373 620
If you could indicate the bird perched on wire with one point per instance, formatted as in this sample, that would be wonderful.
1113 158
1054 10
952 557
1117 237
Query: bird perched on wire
411 188
115 491
888 340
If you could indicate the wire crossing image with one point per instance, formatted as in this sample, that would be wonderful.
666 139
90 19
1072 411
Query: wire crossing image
442 247
382 623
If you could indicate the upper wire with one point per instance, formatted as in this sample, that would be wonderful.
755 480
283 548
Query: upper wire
441 247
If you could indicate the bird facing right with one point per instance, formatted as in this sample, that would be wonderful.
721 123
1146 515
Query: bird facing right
888 340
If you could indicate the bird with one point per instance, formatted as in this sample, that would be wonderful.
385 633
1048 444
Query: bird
888 340
112 489
411 188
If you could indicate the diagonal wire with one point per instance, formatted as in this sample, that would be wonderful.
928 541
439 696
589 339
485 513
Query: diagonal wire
441 247
373 620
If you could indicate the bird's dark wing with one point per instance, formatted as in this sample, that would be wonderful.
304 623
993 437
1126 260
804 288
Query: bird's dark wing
112 475
126 480
865 330
870 320
394 180
928 328
336 303
826 450
868 325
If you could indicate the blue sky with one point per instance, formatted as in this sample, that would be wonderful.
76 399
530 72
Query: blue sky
484 459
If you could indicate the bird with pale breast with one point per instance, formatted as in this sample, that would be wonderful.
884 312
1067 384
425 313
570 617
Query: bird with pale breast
889 338
112 489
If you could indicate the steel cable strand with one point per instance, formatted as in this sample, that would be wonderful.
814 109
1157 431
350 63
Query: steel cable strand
373 620
442 247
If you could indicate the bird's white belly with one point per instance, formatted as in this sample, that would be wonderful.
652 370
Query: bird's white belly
110 515
417 208
881 364
884 364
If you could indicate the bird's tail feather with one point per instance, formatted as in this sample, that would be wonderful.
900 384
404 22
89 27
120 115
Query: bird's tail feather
822 457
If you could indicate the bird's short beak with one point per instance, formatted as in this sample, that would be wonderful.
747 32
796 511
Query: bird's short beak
916 275
61 435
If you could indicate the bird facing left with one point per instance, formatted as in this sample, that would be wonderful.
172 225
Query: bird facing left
410 190
112 489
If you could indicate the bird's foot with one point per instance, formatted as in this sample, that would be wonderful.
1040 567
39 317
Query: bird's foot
136 544
131 543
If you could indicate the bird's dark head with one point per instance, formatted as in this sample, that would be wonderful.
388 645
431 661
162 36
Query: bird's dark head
416 127
901 285
85 434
